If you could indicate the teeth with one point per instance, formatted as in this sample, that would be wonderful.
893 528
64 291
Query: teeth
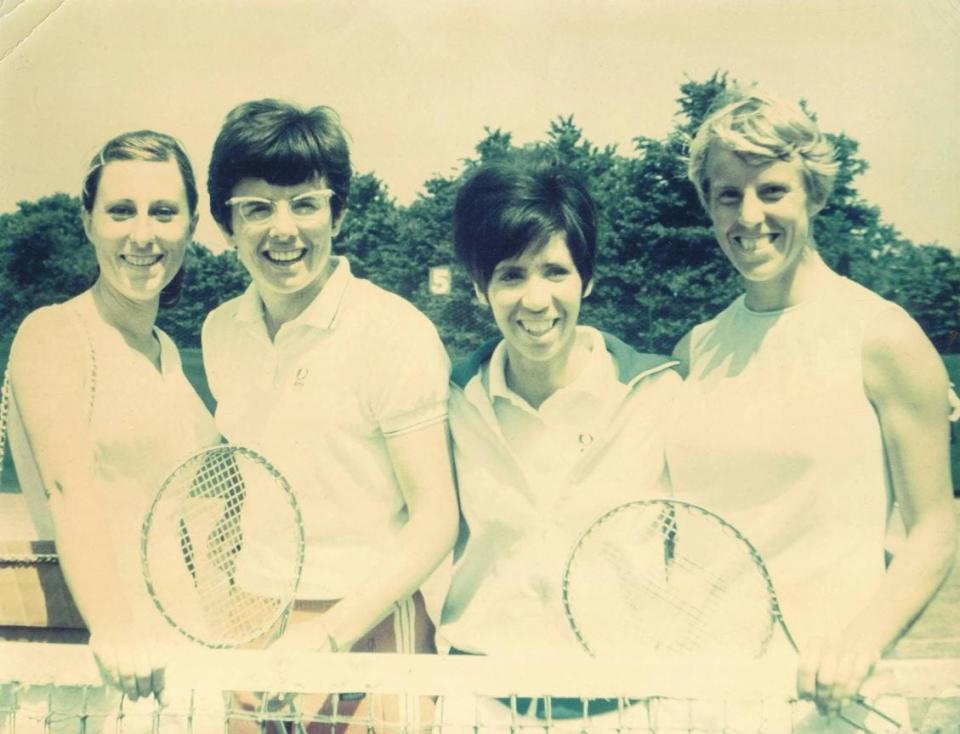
284 256
750 242
538 327
142 261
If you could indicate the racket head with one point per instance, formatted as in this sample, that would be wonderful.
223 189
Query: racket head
222 547
668 577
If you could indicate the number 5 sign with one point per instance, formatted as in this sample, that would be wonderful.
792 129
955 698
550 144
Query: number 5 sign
439 280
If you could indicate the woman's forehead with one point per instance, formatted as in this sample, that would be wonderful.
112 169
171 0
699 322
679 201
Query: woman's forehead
728 166
263 188
141 179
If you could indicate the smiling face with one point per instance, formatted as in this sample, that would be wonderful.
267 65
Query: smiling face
535 298
140 225
761 215
287 256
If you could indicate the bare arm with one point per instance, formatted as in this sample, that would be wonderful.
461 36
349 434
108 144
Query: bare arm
906 383
49 371
421 461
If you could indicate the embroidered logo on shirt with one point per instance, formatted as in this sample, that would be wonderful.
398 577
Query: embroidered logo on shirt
301 377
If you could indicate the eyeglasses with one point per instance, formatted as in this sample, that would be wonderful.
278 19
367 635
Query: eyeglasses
306 207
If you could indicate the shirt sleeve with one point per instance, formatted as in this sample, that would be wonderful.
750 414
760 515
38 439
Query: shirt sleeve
411 374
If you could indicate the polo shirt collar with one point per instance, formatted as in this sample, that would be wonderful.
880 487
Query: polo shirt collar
592 380
632 365
320 314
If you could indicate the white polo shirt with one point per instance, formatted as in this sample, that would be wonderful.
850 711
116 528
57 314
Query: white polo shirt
549 440
359 365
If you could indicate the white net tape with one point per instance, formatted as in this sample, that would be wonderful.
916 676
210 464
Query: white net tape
57 688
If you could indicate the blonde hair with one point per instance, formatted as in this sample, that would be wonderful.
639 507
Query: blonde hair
760 128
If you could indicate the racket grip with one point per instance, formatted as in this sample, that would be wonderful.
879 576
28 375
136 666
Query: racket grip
864 703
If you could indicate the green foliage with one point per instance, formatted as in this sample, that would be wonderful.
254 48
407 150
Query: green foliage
658 273
44 257
926 282
210 280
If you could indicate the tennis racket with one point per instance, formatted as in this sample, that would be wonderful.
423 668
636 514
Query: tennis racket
668 577
222 548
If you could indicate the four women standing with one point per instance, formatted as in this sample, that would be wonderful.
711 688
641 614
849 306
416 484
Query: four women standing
811 405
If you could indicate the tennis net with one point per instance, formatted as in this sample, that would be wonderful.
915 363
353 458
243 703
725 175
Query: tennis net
57 688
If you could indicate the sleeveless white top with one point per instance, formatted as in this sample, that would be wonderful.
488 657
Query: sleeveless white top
774 433
143 422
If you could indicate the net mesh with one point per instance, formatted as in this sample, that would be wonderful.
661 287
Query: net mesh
56 688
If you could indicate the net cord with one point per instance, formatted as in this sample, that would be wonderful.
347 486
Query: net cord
200 669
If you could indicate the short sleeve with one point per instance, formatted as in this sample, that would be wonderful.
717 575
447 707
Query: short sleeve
410 374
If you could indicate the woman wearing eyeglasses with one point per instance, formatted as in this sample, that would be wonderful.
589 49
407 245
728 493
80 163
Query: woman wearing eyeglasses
342 385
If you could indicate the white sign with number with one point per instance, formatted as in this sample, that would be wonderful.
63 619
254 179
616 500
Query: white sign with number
439 280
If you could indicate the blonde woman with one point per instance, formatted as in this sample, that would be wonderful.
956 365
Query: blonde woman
811 405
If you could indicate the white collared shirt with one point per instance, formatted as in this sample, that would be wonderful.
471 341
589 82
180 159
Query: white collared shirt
550 439
359 365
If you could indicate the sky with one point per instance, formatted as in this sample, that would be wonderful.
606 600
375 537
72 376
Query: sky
417 81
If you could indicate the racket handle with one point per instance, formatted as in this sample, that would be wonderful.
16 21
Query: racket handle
864 704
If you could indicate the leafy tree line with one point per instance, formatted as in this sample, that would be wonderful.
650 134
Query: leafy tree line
659 270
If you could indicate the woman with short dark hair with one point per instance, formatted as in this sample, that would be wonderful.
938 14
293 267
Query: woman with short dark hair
342 385
554 423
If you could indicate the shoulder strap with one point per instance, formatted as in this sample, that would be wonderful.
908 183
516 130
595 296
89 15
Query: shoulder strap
91 360
4 411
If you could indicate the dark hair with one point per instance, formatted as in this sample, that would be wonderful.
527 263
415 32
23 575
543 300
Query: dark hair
504 208
284 145
144 145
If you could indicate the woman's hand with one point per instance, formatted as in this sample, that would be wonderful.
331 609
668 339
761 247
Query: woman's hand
831 670
906 382
130 661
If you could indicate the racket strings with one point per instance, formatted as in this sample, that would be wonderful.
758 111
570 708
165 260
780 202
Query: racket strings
691 614
673 579
228 519
219 478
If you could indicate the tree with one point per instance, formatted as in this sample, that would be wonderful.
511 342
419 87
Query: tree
658 271
210 280
44 257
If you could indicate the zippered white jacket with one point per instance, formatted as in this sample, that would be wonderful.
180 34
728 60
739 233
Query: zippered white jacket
516 532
